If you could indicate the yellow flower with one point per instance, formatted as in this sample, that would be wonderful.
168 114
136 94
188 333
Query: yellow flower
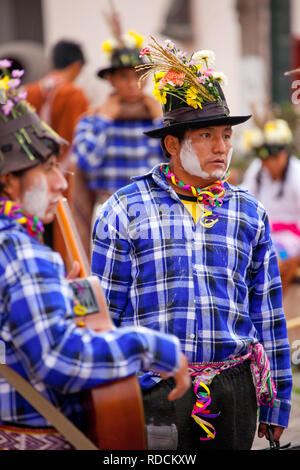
192 97
4 82
106 46
159 95
158 76
139 39
253 138
270 126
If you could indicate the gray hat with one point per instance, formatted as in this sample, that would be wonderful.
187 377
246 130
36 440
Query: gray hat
22 132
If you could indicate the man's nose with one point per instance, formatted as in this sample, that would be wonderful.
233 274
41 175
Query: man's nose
133 83
219 145
60 183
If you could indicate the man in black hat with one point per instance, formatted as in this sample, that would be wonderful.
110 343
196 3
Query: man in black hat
109 145
42 340
183 251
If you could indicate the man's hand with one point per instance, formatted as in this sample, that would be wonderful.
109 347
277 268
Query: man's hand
74 272
263 431
182 379
111 108
153 106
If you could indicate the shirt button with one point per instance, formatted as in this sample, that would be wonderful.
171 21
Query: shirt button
192 336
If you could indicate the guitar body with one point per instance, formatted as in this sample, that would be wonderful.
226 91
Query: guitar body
114 412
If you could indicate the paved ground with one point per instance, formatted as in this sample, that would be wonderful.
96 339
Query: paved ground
292 433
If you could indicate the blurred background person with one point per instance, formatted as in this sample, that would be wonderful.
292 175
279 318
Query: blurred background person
60 103
56 98
273 178
109 144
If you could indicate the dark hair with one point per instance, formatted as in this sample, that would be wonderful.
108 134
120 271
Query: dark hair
283 177
65 53
180 136
49 143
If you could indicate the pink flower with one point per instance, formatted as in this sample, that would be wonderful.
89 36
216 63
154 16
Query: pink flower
17 73
14 83
4 63
208 72
21 96
7 107
201 80
144 51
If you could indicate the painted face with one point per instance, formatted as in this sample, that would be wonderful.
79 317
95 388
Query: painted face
41 188
125 82
206 153
276 164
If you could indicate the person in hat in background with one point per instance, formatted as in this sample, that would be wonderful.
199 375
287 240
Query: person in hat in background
109 146
56 98
183 251
273 178
42 341
60 103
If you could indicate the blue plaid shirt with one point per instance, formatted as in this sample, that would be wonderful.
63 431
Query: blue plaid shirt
44 345
110 152
217 289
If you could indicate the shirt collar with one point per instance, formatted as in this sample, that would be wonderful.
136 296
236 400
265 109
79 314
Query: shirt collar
161 181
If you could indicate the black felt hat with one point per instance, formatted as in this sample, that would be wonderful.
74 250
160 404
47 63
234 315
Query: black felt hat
179 116
120 59
189 89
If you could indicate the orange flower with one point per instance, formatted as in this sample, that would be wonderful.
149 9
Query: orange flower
173 77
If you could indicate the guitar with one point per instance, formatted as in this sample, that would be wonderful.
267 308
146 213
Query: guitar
114 411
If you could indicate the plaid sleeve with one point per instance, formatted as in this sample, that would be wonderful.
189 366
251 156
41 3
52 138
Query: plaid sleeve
111 260
51 348
89 143
268 317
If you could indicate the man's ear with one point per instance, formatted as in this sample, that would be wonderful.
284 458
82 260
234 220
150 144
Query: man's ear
10 185
172 145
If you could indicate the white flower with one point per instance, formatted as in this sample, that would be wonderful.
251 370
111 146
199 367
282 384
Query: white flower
277 132
253 138
220 77
169 44
204 57
129 41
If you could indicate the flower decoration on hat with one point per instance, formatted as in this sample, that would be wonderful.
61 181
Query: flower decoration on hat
11 96
129 40
18 121
191 80
268 140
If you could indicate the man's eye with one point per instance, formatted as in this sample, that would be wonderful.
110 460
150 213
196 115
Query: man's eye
51 165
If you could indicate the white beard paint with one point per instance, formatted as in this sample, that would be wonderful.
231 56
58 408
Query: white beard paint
191 163
35 200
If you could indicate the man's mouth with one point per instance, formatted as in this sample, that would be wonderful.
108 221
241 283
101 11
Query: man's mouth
218 161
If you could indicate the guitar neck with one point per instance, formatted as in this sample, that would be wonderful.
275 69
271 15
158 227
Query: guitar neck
71 237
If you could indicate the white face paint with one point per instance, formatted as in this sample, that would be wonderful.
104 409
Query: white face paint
229 155
35 199
191 163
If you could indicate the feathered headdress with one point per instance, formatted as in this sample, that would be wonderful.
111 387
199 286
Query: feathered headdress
122 48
